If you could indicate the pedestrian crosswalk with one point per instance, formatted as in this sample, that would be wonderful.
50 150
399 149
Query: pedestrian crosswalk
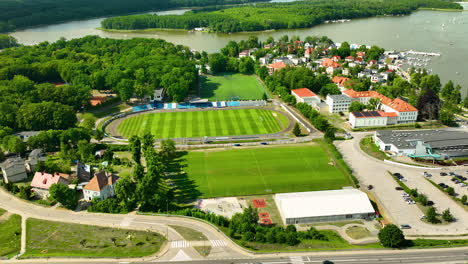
179 244
296 260
185 244
218 243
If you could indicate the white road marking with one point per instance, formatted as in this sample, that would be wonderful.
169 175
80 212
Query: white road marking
296 260
218 243
181 256
179 244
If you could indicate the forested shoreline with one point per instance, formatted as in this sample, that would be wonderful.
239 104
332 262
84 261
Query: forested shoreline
271 16
27 13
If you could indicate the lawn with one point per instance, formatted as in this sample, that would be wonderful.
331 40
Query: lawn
10 235
231 87
231 122
264 170
56 239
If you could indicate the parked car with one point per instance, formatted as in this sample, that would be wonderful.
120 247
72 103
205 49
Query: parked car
370 187
430 203
396 174
405 226
443 185
443 174
451 173
398 188
237 145
264 143
327 262
462 184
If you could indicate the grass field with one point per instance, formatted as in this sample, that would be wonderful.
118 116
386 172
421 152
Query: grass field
231 87
251 171
55 239
10 235
204 123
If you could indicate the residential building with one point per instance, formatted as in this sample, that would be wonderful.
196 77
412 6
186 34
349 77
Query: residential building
13 170
340 81
432 144
338 103
26 134
36 156
101 186
305 95
324 206
42 182
276 67
266 60
83 172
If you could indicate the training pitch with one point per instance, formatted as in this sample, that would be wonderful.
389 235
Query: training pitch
231 87
237 172
232 122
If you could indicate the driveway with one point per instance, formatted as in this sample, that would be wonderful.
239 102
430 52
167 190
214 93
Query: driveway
371 171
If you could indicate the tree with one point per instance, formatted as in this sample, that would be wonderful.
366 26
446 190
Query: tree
168 149
125 89
356 106
446 117
374 103
431 215
13 144
64 195
422 198
391 236
264 97
464 199
246 65
7 41
447 90
428 104
248 236
88 121
85 150
451 191
138 172
296 130
125 192
135 146
217 62
447 216
330 133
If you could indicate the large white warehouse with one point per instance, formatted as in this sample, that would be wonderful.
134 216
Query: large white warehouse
324 206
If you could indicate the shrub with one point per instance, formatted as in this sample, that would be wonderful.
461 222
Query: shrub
391 236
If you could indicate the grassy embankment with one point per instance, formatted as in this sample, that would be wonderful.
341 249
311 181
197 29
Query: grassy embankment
56 239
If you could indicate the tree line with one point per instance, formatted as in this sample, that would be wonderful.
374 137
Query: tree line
27 13
268 16
42 86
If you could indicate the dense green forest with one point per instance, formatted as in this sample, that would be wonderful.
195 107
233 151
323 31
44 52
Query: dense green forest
26 13
29 100
266 16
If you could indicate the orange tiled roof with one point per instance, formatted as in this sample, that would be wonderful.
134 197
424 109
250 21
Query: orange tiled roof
303 92
330 63
277 65
96 100
396 104
339 80
100 181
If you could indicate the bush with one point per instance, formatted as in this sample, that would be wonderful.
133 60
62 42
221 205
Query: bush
447 216
391 236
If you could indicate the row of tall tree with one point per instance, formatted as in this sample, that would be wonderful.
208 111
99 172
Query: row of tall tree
267 16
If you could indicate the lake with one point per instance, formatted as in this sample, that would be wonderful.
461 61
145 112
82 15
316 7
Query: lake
428 31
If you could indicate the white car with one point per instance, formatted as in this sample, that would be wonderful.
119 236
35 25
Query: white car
462 184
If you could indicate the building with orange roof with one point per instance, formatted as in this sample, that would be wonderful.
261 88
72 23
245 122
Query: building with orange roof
406 112
101 186
326 62
340 81
97 100
276 67
304 95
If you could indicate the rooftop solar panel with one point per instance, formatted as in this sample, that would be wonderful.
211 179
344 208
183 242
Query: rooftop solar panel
357 114
367 114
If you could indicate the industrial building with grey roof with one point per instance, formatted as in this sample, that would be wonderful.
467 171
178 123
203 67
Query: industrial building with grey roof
439 143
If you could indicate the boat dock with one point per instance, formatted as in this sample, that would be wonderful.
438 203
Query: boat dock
423 53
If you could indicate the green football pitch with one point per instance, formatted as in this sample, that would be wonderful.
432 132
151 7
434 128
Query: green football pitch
237 172
231 87
210 123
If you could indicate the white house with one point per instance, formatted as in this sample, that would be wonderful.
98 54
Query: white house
13 170
100 186
372 119
305 95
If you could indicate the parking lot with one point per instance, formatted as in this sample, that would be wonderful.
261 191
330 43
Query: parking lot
374 172
458 184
